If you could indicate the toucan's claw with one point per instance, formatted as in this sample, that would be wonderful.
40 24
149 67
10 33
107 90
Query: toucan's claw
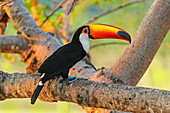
74 78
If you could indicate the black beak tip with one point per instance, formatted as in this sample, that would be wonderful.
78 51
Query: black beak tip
124 35
90 36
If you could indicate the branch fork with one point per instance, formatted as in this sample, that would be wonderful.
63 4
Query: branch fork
127 70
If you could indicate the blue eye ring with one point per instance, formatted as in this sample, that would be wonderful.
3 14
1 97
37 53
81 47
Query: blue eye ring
85 31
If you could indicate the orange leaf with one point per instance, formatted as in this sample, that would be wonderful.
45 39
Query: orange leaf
66 42
12 60
8 56
168 44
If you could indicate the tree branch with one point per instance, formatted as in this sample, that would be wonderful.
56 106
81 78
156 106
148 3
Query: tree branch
42 44
137 57
13 44
65 29
28 28
83 66
22 18
113 10
86 93
72 6
52 13
3 21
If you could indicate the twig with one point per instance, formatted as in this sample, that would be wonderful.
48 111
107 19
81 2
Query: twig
108 43
113 10
73 4
52 13
55 2
6 3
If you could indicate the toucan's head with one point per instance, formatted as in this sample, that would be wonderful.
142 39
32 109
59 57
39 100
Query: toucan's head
99 31
102 31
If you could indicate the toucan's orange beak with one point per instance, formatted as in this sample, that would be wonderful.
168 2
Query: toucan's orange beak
102 31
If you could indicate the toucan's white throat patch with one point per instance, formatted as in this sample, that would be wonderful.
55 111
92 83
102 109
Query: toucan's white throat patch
84 39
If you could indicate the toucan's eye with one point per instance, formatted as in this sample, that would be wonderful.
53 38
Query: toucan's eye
85 31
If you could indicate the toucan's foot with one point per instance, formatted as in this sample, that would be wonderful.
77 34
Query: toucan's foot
74 78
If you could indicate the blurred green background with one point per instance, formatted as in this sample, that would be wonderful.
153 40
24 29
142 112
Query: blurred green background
128 18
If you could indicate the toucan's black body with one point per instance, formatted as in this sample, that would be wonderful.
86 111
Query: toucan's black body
59 63
63 59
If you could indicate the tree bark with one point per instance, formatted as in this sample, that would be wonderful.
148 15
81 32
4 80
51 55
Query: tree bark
86 93
132 65
127 70
13 44
3 20
130 68
42 44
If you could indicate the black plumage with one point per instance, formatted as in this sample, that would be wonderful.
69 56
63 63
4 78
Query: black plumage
63 58
59 63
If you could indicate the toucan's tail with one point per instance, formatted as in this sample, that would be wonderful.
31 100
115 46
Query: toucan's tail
36 93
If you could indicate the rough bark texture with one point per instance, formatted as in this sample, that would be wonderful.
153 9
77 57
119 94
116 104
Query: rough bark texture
14 44
3 20
87 93
40 45
28 28
145 44
131 66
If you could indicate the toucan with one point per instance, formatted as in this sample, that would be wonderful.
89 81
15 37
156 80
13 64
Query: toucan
59 63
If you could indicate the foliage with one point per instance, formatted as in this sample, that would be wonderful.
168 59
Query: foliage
127 18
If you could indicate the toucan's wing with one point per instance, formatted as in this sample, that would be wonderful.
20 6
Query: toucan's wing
62 59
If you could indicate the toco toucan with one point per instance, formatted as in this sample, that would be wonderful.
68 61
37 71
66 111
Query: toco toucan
59 63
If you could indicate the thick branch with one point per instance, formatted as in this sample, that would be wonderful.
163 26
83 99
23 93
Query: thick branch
42 44
79 69
21 17
37 52
133 63
13 44
87 93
